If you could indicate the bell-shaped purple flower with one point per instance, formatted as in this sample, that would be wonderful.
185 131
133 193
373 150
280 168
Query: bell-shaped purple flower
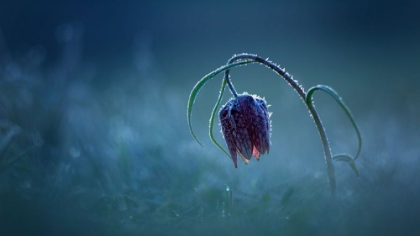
245 122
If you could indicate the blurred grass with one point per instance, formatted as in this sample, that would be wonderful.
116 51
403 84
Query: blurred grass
117 159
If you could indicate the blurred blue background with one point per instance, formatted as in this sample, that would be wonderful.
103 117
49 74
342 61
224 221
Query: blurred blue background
94 137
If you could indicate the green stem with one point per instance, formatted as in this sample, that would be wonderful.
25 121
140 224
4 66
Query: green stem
299 89
227 78
327 149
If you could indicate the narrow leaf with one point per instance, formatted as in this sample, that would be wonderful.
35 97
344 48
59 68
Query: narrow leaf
213 114
200 84
343 106
348 159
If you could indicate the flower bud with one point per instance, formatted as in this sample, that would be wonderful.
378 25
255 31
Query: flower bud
246 126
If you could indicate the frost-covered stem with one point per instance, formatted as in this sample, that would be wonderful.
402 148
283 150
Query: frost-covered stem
299 89
327 149
227 77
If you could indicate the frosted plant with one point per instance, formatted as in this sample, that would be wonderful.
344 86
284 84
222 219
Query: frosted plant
245 119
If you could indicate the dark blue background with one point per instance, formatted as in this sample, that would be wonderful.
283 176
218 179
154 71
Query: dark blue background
105 84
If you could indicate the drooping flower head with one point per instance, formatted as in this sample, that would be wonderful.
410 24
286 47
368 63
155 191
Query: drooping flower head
245 122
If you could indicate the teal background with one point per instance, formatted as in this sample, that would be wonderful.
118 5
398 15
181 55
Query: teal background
94 138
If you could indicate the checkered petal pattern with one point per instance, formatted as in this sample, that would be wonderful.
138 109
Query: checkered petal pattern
246 127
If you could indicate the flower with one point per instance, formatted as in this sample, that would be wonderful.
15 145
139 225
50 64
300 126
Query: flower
246 126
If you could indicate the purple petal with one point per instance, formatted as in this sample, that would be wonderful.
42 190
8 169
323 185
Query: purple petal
240 112
261 124
228 128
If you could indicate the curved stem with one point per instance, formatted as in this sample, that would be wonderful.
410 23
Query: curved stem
227 79
327 149
299 89
282 72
